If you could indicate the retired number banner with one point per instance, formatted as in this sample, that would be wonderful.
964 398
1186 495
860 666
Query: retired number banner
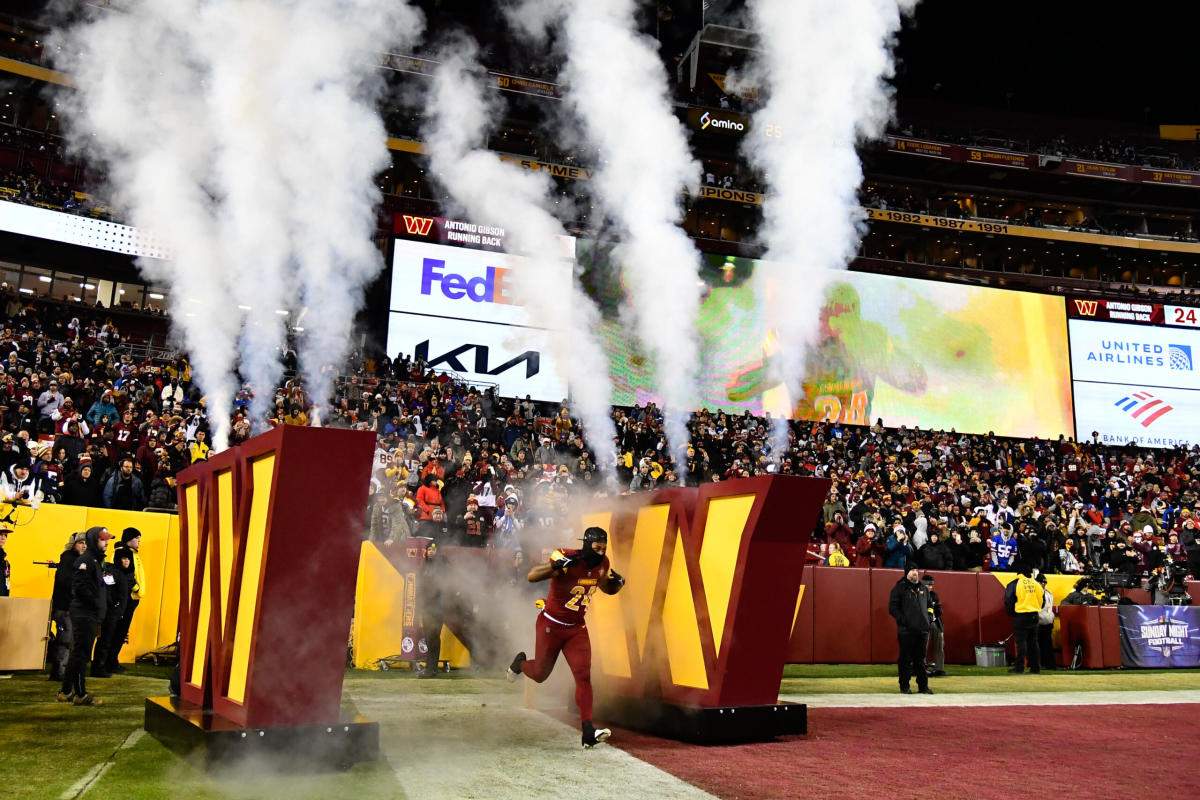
1156 637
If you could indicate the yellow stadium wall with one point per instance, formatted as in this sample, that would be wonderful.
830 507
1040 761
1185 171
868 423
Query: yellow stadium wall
379 614
42 535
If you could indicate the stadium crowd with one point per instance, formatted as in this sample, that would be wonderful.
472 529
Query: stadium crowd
86 424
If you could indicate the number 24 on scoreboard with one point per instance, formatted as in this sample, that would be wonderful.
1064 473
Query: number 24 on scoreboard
1182 315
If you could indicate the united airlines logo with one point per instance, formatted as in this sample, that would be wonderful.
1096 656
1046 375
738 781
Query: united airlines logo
1086 308
1144 407
1179 356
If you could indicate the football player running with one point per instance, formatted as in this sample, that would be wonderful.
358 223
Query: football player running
574 577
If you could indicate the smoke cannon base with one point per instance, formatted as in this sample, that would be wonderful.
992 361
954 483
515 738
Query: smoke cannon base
707 725
213 742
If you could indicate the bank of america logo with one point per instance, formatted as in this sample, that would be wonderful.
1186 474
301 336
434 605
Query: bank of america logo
1179 356
1143 407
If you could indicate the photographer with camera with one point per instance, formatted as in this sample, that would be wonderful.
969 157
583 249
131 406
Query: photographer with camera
1168 587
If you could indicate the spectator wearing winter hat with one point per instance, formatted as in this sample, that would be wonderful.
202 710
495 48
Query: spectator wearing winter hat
89 603
474 529
60 606
83 487
506 533
429 497
131 544
869 551
899 549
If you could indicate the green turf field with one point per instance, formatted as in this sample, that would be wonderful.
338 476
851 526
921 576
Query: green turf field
54 750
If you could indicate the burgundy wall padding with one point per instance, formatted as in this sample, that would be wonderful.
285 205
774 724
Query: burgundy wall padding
1082 624
800 649
1139 596
1193 588
959 593
995 624
884 647
1110 635
842 618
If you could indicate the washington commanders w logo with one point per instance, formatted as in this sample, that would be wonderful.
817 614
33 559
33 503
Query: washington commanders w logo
419 226
706 569
1086 308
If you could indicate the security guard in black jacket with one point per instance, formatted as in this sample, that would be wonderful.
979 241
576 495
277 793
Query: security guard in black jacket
911 607
89 602
108 645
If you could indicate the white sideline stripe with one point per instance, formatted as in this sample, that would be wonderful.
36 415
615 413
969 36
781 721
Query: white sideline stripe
442 745
81 786
1153 697
132 739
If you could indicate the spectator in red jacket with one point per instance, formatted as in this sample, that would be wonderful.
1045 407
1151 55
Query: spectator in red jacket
429 497
870 550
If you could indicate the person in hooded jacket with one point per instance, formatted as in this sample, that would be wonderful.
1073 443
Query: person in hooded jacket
117 595
60 606
935 554
83 487
89 602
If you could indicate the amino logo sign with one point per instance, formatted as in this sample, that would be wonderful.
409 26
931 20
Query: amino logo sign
706 120
491 288
1144 402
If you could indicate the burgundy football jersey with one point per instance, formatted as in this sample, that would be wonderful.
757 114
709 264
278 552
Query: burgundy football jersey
571 590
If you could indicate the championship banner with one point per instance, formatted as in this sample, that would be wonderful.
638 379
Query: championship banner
1027 232
556 170
731 195
1158 637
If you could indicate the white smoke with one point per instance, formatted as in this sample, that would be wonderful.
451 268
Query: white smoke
459 116
245 133
823 65
617 92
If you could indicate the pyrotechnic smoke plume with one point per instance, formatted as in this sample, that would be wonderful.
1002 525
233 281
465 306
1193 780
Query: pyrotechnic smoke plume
458 118
823 66
245 133
617 92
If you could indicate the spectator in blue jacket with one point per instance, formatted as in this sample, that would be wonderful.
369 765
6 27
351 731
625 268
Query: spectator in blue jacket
899 549
103 406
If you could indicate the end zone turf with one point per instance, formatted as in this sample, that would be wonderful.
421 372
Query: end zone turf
470 736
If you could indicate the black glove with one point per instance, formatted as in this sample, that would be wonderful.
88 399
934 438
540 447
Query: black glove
615 580
560 560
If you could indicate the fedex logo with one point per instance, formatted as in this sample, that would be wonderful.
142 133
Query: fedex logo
491 288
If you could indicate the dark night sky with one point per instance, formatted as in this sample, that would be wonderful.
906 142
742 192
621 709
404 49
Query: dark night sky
1069 59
